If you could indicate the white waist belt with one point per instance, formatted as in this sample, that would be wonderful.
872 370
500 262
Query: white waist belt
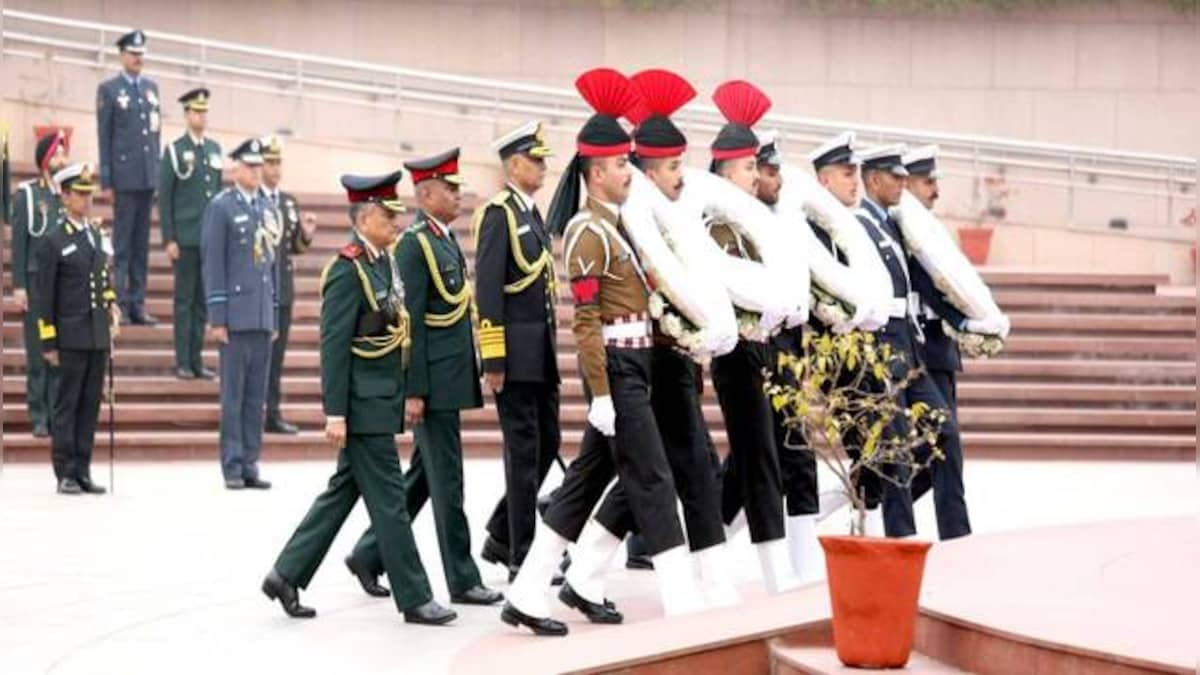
626 330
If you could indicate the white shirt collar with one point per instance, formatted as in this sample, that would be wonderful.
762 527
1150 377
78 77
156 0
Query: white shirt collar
198 140
273 195
373 253
525 200
248 196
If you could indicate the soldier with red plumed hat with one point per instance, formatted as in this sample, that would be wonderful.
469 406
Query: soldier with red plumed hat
613 330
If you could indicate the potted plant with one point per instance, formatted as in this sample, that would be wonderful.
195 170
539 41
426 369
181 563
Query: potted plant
842 393
976 239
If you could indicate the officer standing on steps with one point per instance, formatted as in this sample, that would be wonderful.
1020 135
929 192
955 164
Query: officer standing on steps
365 337
36 209
515 289
443 376
76 317
128 120
297 235
189 177
237 252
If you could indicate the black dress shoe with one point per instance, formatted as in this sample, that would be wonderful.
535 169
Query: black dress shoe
68 486
184 374
638 562
547 626
277 425
276 588
89 487
203 373
370 584
605 613
479 595
430 614
256 484
41 430
144 319
494 552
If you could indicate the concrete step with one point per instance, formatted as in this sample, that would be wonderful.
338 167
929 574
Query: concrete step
815 659
188 444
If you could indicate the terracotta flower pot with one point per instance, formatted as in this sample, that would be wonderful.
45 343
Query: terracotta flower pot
976 243
874 584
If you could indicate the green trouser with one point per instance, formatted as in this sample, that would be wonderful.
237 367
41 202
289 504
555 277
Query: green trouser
190 312
435 471
40 378
370 466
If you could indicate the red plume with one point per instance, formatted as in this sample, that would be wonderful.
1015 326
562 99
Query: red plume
663 91
741 102
638 113
607 91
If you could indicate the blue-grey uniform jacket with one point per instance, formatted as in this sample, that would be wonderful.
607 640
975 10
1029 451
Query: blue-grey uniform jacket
239 268
128 120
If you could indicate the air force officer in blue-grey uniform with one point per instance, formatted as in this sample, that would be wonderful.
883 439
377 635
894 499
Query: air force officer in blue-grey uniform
237 253
128 121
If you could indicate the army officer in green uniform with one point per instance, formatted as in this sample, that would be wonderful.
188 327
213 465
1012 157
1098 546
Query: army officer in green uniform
189 176
364 339
443 377
36 209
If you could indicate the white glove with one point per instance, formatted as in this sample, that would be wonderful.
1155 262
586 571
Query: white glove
989 325
719 344
770 320
797 317
602 415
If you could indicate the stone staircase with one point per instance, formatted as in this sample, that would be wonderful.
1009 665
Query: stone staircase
1098 366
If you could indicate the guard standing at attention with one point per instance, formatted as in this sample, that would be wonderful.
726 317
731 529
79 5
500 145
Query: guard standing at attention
77 318
128 121
36 209
190 175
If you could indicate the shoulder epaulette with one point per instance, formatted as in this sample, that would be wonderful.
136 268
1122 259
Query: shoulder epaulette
351 251
500 197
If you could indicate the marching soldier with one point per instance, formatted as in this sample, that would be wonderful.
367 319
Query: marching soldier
612 327
239 239
674 385
443 377
515 291
36 209
128 121
190 175
297 235
883 175
365 337
76 318
737 376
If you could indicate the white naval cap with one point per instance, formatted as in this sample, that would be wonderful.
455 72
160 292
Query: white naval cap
922 161
837 150
768 147
885 158
526 138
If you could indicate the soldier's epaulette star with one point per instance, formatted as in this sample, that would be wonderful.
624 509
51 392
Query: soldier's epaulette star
351 251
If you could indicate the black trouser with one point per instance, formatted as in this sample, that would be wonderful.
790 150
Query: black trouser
40 377
947 474
131 244
278 348
635 454
190 310
77 410
675 398
738 379
529 421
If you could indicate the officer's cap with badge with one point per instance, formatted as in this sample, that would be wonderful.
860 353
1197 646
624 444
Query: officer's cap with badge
768 152
835 151
196 100
442 167
922 161
49 144
526 139
272 148
79 177
887 158
374 189
133 42
248 153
